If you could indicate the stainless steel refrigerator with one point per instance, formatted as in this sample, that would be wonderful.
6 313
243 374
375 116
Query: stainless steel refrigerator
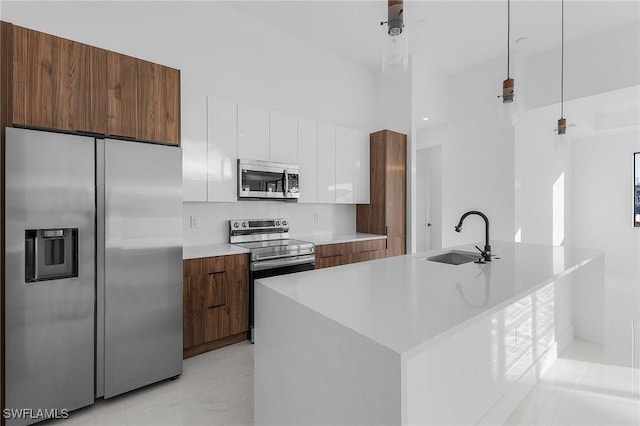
93 279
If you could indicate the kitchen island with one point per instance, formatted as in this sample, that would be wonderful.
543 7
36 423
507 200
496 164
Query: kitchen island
404 340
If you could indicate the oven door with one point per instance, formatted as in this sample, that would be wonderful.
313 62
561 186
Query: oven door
272 268
265 180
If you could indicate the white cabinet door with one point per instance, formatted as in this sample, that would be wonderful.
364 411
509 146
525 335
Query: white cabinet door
222 150
253 132
361 168
194 146
326 163
283 138
344 165
308 160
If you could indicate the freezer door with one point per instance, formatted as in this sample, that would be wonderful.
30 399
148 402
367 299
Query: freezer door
49 319
143 265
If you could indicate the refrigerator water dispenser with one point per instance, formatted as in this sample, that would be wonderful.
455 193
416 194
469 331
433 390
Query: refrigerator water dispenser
50 254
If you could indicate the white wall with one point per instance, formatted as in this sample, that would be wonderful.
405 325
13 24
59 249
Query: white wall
214 218
225 53
541 173
599 63
603 199
434 180
477 158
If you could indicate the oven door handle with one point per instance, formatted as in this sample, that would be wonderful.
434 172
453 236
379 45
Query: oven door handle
273 264
297 253
286 182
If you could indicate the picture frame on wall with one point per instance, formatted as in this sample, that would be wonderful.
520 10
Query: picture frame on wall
636 189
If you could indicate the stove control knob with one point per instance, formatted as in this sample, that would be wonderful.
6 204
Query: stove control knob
235 224
244 224
284 223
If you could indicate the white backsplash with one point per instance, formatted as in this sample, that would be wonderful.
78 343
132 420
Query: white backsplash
305 219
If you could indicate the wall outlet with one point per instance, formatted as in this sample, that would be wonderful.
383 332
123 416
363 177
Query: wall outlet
194 222
316 218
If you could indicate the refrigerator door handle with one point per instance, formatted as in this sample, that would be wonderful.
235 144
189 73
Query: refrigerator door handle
100 268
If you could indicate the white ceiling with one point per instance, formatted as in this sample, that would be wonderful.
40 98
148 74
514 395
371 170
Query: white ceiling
457 34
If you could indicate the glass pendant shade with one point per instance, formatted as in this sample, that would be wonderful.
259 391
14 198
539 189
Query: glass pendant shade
562 138
395 57
507 107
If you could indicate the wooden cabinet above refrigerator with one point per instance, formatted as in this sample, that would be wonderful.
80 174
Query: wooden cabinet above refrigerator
63 85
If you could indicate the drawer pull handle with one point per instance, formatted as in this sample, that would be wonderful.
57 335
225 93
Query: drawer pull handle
330 255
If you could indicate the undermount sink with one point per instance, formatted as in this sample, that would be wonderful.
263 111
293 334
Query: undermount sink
455 257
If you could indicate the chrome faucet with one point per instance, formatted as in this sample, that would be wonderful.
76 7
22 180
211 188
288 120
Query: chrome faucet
486 253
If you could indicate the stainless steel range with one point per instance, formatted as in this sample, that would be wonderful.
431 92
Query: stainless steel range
272 252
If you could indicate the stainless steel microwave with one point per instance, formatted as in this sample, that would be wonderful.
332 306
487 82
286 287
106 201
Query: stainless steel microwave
267 180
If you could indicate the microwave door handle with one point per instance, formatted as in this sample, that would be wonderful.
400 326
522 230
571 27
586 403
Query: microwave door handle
286 182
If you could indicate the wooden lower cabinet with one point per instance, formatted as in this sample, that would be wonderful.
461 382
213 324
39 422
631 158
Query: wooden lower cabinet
215 302
343 253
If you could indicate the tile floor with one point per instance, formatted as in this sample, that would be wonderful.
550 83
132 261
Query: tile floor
580 390
216 388
589 384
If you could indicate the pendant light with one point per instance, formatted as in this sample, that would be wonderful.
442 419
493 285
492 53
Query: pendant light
562 139
507 106
395 56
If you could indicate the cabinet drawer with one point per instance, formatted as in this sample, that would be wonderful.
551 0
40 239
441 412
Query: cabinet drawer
362 251
216 323
214 265
332 255
343 253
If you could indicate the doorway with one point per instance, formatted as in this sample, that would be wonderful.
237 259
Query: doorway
429 198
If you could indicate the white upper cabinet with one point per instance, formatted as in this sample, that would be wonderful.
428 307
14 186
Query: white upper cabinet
361 168
308 160
345 139
194 146
222 123
326 163
334 161
283 138
253 132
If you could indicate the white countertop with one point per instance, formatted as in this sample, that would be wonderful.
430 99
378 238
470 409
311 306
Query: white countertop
222 249
211 250
320 240
406 302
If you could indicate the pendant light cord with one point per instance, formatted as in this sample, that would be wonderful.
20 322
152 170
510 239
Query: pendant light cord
562 62
508 33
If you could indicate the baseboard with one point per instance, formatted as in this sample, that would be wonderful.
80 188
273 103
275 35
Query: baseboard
216 344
